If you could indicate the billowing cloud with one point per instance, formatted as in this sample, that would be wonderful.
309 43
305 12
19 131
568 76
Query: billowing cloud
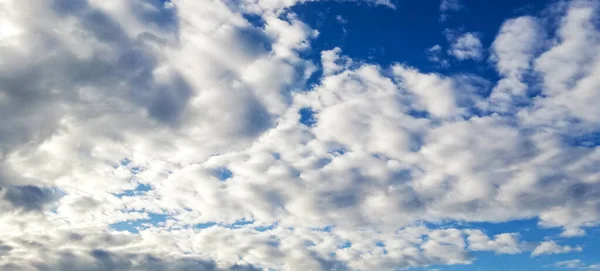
141 135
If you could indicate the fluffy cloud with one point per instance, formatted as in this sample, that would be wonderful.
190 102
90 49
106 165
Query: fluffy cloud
513 51
505 243
551 247
465 46
145 134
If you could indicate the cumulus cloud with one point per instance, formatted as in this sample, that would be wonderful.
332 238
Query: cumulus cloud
332 61
465 46
144 134
505 243
551 247
513 51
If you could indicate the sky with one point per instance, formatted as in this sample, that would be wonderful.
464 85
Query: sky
433 135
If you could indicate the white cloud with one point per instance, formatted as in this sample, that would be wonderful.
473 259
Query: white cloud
450 5
465 46
506 243
98 98
434 55
332 62
341 19
447 6
513 51
435 93
551 247
576 264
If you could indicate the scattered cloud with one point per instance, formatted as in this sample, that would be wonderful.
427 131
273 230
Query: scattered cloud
448 6
465 46
434 54
576 264
142 135
505 243
551 247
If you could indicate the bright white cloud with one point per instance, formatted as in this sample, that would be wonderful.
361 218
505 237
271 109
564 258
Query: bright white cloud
99 98
506 243
513 51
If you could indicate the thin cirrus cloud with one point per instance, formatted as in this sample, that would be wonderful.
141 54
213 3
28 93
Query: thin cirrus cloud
448 6
174 135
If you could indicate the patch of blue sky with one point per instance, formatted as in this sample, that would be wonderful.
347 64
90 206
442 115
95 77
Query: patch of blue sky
236 225
205 225
418 114
338 151
345 244
222 173
255 20
307 116
266 228
134 226
586 140
126 162
328 228
139 190
136 170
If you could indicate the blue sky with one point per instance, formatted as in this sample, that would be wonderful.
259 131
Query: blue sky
300 135
382 35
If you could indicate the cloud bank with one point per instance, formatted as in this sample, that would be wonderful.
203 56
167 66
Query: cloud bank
153 135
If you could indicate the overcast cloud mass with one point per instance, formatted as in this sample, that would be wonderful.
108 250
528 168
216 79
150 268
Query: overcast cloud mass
198 135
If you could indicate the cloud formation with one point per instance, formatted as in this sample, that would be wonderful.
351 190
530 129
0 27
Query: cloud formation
153 135
465 46
551 247
576 264
447 6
